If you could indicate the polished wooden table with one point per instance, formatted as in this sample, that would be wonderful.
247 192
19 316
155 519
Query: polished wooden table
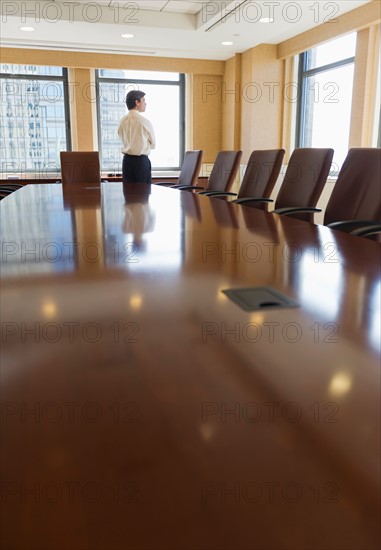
144 410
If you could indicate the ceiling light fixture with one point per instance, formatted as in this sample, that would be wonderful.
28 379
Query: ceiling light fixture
27 29
227 43
127 35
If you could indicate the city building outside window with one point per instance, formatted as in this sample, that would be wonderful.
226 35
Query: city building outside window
34 118
165 94
325 97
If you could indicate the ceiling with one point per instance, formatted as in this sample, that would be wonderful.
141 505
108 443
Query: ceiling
166 28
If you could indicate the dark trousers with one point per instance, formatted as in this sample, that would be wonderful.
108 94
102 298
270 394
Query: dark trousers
136 169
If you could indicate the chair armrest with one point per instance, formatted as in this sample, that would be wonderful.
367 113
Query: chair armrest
352 226
186 187
371 229
11 186
251 199
218 193
295 209
167 183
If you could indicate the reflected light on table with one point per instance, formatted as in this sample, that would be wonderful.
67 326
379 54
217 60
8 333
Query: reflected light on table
49 309
136 302
375 320
221 296
321 285
257 318
340 384
207 432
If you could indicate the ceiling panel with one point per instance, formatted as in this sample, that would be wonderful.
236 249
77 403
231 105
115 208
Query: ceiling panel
158 29
176 6
150 5
180 6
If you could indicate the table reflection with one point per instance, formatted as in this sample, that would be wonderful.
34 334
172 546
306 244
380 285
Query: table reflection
142 230
225 213
37 232
139 217
190 204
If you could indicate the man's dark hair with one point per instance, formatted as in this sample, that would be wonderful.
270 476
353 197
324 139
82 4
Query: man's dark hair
132 97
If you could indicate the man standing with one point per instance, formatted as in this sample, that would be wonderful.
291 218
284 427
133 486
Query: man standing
138 138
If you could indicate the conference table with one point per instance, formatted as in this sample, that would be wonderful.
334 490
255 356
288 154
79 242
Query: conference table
145 408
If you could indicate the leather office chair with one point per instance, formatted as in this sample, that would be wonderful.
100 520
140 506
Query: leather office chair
222 175
260 176
355 202
303 182
190 169
80 167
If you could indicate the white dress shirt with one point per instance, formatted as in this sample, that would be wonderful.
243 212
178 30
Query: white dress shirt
136 133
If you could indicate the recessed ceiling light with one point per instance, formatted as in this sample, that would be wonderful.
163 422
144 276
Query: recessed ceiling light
127 35
27 29
266 20
227 43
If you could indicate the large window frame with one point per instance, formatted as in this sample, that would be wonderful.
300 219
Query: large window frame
5 78
304 74
137 82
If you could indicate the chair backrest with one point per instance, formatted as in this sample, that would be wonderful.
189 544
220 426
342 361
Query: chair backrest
357 191
80 167
304 180
224 171
261 174
190 168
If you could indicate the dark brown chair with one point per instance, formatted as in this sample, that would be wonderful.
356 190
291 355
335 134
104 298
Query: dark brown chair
355 203
304 180
222 175
190 169
80 167
260 176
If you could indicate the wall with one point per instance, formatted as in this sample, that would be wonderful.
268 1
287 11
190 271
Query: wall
262 101
232 103
252 103
207 114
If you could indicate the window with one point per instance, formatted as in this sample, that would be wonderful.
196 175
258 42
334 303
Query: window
34 118
326 83
165 109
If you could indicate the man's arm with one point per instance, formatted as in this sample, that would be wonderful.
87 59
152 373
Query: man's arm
151 137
